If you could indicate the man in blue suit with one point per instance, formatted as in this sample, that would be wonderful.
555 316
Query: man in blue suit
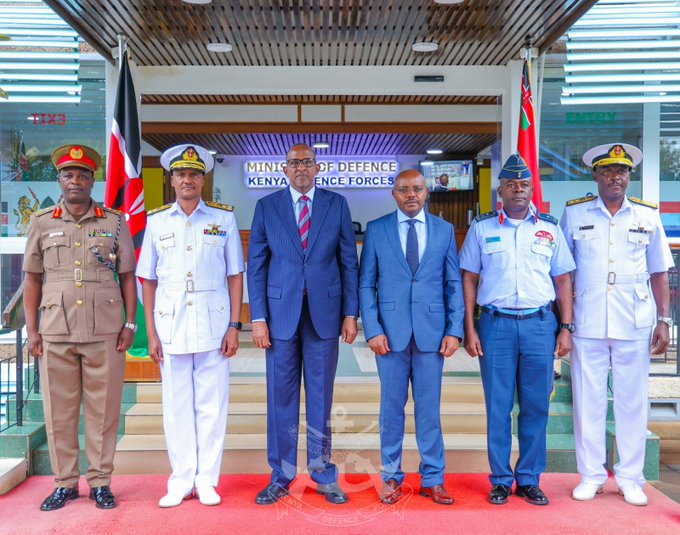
302 286
412 308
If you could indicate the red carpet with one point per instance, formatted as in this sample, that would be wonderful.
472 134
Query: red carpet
307 512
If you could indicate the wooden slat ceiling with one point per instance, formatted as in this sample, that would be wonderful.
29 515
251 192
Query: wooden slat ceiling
320 32
356 144
317 99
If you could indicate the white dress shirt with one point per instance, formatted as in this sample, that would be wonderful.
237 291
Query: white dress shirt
421 231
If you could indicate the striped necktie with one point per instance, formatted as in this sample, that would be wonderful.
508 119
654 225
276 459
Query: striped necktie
303 221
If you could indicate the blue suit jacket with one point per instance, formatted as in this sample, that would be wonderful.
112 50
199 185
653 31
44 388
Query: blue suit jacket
398 304
279 270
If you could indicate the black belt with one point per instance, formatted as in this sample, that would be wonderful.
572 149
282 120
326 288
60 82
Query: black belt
519 315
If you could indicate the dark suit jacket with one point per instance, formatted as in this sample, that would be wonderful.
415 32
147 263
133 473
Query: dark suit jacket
398 304
279 270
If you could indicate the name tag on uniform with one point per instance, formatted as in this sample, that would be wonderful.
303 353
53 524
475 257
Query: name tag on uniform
493 239
587 227
167 236
53 234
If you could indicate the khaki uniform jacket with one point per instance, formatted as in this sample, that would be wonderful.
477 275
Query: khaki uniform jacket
81 300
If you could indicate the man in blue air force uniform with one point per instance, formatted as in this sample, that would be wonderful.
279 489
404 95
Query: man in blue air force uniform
514 261
191 265
412 308
621 252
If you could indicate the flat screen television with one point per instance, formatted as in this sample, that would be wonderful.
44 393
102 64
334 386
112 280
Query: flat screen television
448 175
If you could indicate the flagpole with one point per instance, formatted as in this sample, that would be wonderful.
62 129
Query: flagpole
122 48
527 139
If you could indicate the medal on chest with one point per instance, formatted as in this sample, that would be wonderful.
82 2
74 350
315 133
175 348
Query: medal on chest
214 230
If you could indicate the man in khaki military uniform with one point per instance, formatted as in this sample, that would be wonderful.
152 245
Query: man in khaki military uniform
73 252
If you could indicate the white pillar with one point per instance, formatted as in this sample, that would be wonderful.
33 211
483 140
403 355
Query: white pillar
651 149
111 80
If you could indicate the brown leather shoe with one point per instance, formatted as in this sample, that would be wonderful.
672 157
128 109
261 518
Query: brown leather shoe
391 492
438 494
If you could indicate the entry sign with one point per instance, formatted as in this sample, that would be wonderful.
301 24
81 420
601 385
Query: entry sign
336 172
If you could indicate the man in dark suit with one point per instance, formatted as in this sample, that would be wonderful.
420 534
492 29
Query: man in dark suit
412 308
302 286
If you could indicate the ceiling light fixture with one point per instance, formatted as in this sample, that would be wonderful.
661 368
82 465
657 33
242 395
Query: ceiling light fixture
427 162
448 2
434 151
219 47
197 2
211 151
320 145
425 46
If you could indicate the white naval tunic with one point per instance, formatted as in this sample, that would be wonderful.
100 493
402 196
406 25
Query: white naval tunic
614 317
614 257
191 256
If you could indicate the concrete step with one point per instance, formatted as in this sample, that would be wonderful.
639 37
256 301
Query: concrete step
353 453
561 420
146 418
667 430
12 472
364 390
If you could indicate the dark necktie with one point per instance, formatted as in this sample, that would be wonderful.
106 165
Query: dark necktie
412 246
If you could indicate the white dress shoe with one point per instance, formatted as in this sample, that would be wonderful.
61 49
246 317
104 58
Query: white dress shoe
208 496
633 494
173 499
586 490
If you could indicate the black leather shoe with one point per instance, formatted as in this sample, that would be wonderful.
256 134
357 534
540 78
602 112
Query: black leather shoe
103 497
272 493
533 495
499 494
58 498
334 494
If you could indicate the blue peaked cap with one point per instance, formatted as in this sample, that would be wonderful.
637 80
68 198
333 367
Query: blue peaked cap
515 169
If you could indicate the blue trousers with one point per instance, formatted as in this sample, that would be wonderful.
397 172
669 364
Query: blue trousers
518 355
286 360
424 371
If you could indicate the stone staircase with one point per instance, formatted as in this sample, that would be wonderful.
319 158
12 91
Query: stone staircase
356 444
141 446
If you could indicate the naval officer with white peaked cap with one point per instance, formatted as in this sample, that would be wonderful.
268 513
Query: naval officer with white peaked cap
191 264
622 260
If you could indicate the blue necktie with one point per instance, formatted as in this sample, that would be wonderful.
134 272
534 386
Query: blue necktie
412 246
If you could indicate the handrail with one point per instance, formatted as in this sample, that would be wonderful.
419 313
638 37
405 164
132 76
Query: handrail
13 316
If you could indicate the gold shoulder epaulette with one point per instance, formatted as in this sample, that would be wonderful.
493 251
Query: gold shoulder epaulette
113 210
226 207
587 198
159 209
44 211
648 204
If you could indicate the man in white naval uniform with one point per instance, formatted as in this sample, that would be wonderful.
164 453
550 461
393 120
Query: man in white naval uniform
621 252
191 264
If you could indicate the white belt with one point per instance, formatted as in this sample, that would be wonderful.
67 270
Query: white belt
615 278
192 285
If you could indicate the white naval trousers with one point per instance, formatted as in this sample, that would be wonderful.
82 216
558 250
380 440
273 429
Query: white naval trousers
590 361
195 400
